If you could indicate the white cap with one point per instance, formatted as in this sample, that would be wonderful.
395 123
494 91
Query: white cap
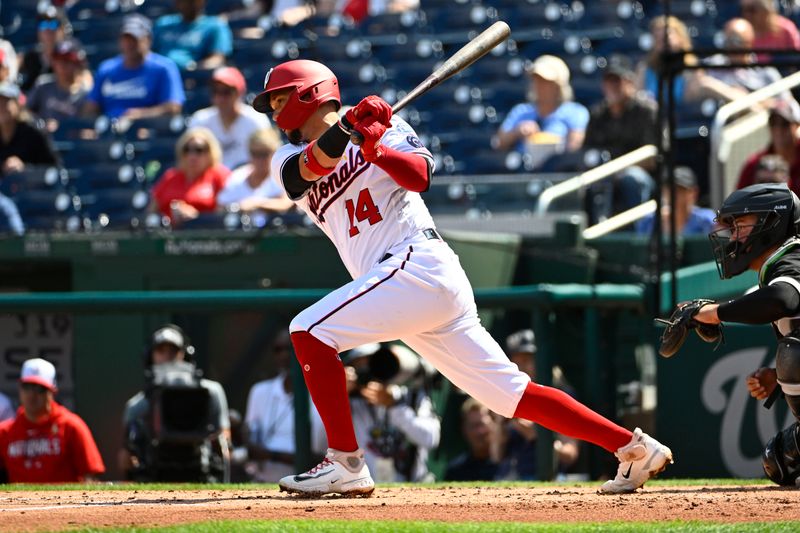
553 68
168 335
39 372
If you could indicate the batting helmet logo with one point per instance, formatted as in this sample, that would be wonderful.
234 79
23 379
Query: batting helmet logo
313 84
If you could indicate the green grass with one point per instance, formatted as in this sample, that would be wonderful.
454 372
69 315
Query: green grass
439 485
341 526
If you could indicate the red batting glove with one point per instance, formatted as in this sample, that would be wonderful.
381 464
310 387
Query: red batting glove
371 106
372 130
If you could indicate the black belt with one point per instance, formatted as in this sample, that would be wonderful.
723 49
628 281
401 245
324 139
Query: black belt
429 233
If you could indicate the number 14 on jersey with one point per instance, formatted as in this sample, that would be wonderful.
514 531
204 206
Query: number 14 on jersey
363 209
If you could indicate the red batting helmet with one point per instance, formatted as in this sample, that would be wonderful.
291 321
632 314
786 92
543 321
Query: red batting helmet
313 83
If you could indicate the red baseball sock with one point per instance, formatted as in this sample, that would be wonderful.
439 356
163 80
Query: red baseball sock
558 411
325 379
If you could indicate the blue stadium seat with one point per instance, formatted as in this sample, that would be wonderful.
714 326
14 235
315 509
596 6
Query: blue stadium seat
46 210
392 23
34 178
165 126
97 177
76 154
119 204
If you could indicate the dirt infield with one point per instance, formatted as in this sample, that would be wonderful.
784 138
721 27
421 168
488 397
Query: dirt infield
51 511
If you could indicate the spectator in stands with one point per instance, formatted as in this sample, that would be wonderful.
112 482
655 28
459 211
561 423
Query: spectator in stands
519 436
269 418
61 95
482 432
551 122
784 119
678 39
772 30
137 83
9 63
623 121
733 83
192 185
21 142
45 442
150 452
5 75
229 119
249 187
6 409
192 39
52 28
358 10
690 219
392 410
772 168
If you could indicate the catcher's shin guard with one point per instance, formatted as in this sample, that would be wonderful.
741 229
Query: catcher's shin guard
781 457
787 365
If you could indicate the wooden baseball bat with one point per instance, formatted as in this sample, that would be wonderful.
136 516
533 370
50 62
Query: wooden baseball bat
466 55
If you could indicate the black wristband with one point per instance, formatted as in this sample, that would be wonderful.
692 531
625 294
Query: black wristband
333 141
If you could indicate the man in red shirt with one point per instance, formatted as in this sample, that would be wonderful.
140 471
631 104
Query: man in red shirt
46 443
784 136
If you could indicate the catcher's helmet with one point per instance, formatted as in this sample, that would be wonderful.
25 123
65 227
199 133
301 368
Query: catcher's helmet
313 83
778 210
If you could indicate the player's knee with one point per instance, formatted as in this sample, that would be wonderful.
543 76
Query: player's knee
781 457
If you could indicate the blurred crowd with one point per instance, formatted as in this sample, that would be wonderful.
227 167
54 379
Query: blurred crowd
180 427
172 81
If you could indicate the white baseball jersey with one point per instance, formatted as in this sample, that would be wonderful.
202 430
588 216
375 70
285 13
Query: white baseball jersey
359 206
407 283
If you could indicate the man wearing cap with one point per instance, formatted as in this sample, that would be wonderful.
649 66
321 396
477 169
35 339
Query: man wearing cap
551 114
46 443
192 39
231 122
51 28
137 83
690 219
61 95
622 122
169 363
784 140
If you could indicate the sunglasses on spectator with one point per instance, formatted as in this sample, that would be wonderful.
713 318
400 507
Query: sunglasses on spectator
749 8
260 154
52 24
33 387
195 149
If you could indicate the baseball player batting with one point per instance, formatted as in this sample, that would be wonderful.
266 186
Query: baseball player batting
407 282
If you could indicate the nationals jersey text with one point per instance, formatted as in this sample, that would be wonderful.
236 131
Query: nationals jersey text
357 196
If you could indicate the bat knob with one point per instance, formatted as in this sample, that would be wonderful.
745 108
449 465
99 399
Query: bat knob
356 138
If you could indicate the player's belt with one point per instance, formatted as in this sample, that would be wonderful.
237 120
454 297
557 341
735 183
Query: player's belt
429 233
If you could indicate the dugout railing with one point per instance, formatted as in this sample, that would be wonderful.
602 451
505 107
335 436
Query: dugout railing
542 300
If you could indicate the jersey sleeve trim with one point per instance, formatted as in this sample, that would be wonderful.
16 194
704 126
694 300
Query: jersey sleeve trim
785 279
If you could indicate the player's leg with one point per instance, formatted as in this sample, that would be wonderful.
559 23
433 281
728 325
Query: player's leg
382 305
467 355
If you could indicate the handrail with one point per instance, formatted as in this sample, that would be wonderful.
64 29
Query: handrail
724 114
594 175
622 219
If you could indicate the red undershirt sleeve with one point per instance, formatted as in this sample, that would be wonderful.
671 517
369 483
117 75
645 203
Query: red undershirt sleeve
411 171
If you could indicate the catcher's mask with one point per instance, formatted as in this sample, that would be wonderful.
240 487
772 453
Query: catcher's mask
778 218
314 84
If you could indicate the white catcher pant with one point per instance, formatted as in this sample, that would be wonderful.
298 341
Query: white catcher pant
421 296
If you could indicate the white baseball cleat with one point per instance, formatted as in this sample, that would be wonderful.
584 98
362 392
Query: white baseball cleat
344 473
641 459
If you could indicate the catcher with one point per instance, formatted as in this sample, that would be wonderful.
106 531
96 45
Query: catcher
758 230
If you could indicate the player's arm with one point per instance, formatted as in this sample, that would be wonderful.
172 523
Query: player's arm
764 305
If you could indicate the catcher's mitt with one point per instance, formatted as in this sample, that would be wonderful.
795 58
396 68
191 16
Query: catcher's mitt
679 324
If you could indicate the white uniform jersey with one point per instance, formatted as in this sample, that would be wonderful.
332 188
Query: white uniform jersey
359 206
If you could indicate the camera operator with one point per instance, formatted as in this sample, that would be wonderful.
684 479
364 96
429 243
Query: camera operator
392 410
178 427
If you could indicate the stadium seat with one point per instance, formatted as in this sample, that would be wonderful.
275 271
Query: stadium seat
46 210
97 177
76 154
34 178
114 206
392 23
